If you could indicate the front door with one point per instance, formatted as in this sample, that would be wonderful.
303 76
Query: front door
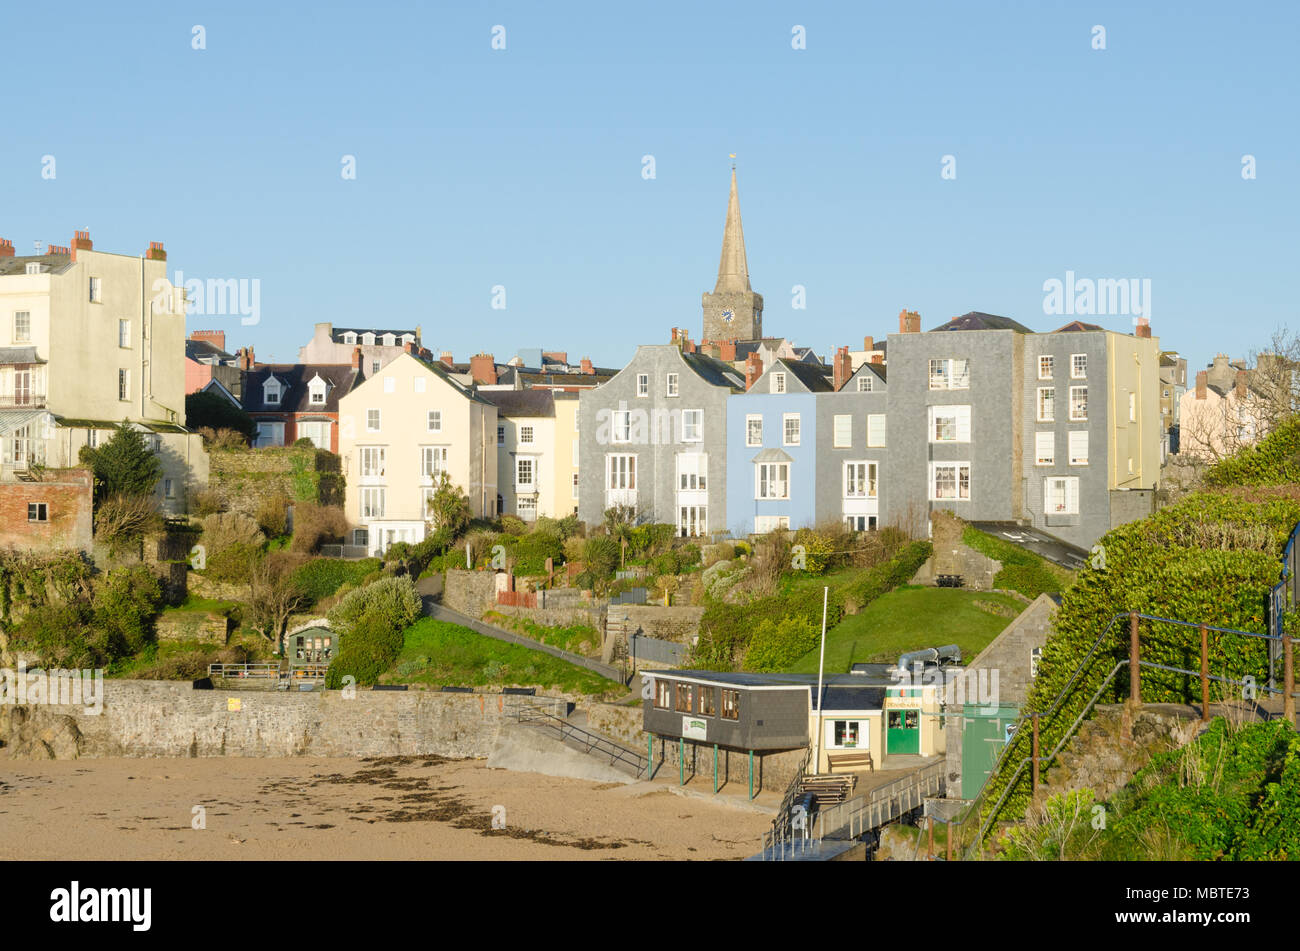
902 732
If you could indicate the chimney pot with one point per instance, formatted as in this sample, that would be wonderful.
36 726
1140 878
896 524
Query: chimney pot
1241 384
727 351
483 369
447 358
356 358
6 248
587 367
1202 381
909 322
753 370
868 344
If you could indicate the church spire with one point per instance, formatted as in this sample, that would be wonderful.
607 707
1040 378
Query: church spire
733 269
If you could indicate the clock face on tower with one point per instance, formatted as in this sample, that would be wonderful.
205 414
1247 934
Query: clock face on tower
728 315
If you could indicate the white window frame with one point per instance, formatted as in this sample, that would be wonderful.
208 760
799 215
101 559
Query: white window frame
1046 366
620 478
960 414
944 376
23 335
1078 366
124 384
525 436
769 477
372 501
692 520
123 333
1075 417
620 435
1061 495
750 420
865 384
271 392
876 430
692 472
786 420
96 290
692 425
956 468
501 435
842 431
770 523
777 383
315 390
1049 417
433 421
390 384
670 385
1075 438
1045 448
1132 407
378 419
860 479
372 461
530 484
433 460
417 384
643 385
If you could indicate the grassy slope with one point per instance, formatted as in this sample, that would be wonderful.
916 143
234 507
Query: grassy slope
910 618
1022 570
437 653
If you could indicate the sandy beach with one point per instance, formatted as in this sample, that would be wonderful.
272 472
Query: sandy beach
421 807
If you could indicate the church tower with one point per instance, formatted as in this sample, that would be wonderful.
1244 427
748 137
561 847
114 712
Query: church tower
733 311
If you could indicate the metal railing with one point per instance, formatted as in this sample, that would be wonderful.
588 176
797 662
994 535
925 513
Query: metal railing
848 820
253 676
1036 762
529 711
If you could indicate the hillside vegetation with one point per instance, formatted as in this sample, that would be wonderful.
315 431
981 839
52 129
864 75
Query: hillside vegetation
1211 558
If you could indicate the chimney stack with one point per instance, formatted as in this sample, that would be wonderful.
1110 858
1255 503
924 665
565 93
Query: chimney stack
1241 383
587 367
1144 328
409 347
56 249
483 368
244 358
868 344
155 252
81 241
215 337
676 337
6 248
1202 379
909 322
878 358
842 368
356 358
753 370
727 351
446 358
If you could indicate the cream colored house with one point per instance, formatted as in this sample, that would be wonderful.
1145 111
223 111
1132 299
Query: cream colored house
398 431
566 453
1217 421
330 344
90 339
536 456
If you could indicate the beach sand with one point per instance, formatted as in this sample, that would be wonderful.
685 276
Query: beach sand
417 807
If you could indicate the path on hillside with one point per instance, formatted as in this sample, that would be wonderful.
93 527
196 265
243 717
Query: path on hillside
441 613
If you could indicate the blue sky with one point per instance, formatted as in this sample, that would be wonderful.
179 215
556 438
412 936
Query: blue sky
522 167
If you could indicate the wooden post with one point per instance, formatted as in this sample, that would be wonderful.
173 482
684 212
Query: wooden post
929 849
1134 662
1205 674
1033 779
1288 680
949 844
650 756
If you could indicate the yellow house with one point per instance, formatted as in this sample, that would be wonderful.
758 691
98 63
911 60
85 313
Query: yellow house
88 340
885 721
398 431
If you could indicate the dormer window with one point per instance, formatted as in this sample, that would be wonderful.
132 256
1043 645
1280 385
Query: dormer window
408 338
350 338
35 267
271 391
317 389
390 340
368 339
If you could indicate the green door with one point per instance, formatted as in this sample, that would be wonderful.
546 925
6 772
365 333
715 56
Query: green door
982 741
902 731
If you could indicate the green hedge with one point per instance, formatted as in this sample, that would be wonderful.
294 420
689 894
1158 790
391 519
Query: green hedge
321 577
1021 570
1274 460
1210 558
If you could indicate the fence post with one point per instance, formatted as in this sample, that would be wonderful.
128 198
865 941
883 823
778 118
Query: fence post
929 849
1288 681
1205 674
1033 776
1134 661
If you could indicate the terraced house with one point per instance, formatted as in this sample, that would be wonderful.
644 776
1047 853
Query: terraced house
654 438
536 436
399 431
88 340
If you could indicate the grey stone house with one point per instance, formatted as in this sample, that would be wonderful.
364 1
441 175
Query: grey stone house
852 436
655 438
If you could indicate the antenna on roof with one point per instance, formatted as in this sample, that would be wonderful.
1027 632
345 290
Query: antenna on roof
37 246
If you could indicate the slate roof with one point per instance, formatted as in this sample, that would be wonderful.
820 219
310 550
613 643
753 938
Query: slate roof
814 376
18 356
340 378
977 320
520 403
336 334
715 372
56 263
851 698
202 350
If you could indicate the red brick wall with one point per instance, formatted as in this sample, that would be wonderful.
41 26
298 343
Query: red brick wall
69 507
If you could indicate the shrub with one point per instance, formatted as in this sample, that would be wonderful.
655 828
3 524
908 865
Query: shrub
818 550
600 556
56 633
775 645
303 442
366 650
124 465
666 564
226 439
531 551
273 515
123 518
513 526
315 524
319 578
449 508
393 600
227 529
124 604
206 502
234 563
712 554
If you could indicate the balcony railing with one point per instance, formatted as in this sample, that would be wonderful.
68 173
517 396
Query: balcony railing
28 400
